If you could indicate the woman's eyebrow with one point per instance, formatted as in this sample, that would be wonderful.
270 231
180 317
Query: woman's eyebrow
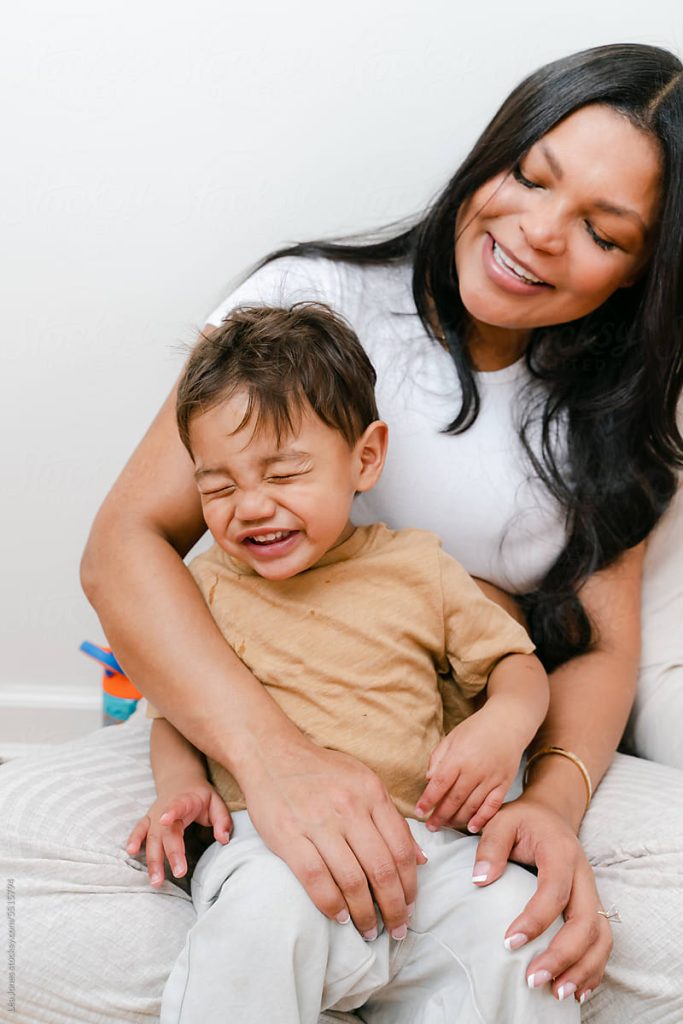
552 162
600 204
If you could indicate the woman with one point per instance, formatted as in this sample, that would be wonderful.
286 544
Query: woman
535 309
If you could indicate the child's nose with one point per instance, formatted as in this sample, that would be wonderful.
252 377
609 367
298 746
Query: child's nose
254 504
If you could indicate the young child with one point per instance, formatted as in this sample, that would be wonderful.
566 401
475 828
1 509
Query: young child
368 638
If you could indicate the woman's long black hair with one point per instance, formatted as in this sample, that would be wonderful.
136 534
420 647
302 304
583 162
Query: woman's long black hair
615 376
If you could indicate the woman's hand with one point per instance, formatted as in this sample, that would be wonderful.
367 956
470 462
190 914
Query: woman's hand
330 818
162 829
529 832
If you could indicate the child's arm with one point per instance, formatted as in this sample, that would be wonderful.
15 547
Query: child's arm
184 795
476 763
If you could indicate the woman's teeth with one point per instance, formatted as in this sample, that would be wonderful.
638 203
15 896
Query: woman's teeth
268 538
508 264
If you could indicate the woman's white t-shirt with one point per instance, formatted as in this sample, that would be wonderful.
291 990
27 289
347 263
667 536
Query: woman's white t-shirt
476 490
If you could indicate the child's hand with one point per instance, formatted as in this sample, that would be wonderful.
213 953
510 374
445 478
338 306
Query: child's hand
470 772
161 829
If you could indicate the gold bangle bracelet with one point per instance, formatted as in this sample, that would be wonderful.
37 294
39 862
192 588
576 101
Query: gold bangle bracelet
574 758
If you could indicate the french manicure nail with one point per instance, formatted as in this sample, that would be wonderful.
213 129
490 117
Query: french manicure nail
424 855
156 878
400 932
585 995
371 935
568 989
539 978
480 871
411 910
516 941
177 867
343 917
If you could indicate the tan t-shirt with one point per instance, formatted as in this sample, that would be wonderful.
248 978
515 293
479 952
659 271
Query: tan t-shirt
359 649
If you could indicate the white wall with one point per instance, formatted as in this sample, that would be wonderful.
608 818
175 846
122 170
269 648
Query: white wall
152 149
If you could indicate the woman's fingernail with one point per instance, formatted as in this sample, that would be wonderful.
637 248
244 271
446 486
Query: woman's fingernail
178 867
156 878
400 932
585 995
480 871
371 935
343 917
539 978
568 989
411 910
424 855
516 940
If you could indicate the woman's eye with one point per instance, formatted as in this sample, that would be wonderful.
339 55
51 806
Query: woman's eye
599 240
519 176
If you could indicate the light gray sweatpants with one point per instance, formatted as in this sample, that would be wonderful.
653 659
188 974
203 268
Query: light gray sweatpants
261 952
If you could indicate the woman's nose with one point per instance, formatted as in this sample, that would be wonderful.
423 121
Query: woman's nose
543 229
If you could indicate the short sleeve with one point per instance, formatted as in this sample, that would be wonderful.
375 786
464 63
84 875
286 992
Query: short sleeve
478 632
283 282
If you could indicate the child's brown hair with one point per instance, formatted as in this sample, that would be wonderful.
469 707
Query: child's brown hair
283 358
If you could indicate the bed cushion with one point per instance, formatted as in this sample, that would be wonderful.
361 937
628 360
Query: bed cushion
94 942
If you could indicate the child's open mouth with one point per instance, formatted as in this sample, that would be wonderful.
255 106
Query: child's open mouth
271 543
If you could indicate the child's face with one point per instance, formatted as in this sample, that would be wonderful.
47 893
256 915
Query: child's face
277 507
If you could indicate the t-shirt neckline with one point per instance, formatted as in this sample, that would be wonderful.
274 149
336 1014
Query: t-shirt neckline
504 376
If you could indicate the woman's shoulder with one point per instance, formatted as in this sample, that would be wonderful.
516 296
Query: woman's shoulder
349 288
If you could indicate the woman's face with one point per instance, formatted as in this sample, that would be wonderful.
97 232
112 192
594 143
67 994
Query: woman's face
551 240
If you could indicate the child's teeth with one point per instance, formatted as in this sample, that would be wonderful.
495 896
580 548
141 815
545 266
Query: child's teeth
268 538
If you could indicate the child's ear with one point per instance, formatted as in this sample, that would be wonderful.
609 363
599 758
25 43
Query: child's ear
371 450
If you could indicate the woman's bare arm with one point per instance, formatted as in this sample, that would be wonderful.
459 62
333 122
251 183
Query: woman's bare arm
327 815
591 696
590 699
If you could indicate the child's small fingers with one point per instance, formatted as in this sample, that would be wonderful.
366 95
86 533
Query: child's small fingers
137 836
174 848
180 808
220 818
440 783
172 839
155 861
491 805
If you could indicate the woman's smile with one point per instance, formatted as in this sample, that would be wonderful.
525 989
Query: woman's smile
506 271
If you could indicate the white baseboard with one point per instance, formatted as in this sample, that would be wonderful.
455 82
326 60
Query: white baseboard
32 717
